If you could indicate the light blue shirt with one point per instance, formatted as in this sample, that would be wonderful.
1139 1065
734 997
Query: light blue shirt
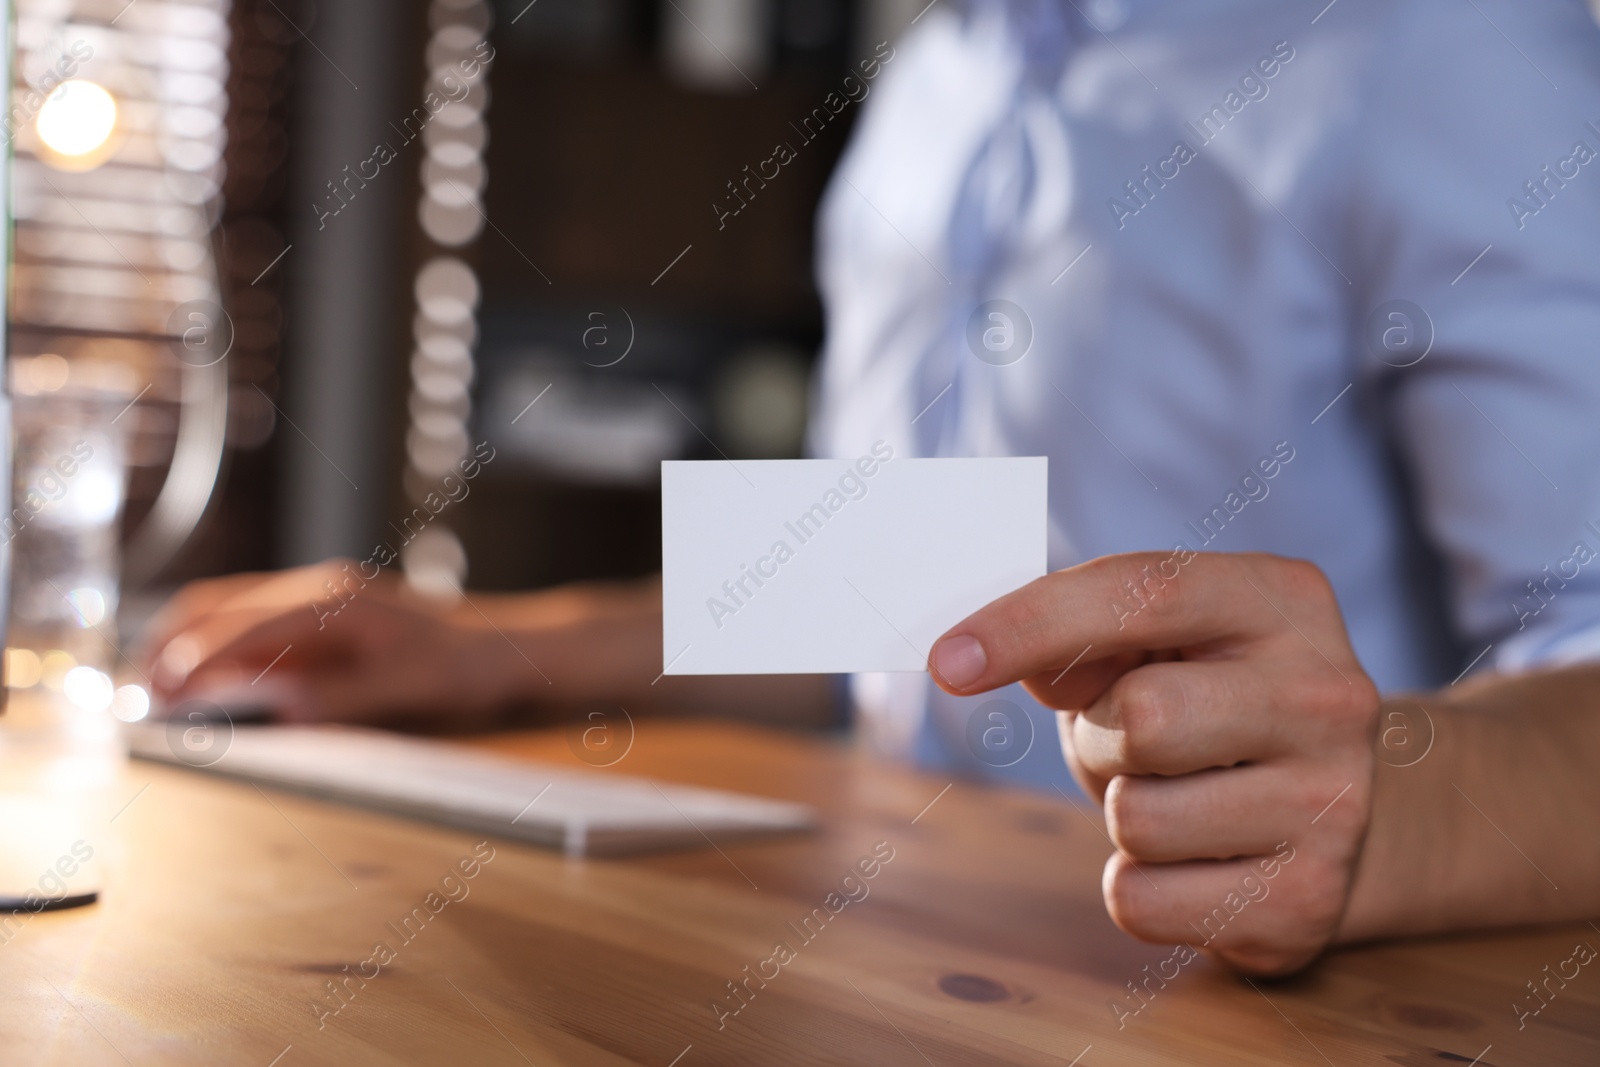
1206 213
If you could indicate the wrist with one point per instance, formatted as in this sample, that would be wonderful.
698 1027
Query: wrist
502 657
573 645
1396 882
1477 830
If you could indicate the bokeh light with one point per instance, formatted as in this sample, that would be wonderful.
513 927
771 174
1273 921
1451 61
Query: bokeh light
88 688
22 668
89 603
77 119
130 703
55 665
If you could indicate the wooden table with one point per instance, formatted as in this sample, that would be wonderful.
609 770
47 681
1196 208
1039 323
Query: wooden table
983 941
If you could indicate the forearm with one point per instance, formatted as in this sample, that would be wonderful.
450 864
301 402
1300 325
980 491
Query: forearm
1496 824
599 644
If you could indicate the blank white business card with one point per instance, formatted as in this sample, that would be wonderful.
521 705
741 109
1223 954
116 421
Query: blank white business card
824 566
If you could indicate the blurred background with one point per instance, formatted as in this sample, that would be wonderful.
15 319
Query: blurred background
285 271
307 257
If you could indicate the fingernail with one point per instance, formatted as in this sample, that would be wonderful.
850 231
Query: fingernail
959 660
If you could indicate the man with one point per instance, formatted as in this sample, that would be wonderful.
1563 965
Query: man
1301 302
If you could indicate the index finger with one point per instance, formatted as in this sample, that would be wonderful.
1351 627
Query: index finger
1115 605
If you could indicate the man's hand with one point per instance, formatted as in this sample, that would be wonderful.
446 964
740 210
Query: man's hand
1215 707
320 642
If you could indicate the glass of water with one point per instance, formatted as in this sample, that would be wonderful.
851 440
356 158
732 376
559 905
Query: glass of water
67 491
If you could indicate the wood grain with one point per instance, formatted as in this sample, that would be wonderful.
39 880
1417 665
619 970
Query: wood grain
983 941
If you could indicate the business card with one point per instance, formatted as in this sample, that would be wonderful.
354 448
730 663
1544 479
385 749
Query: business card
822 566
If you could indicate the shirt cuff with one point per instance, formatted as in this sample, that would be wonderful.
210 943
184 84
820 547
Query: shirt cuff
1557 647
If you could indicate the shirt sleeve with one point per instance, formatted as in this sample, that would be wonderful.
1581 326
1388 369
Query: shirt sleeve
1476 224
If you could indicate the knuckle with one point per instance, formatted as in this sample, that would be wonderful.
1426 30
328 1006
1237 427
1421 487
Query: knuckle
1142 706
1344 703
1319 894
1365 698
1300 579
1345 822
1358 711
1342 821
1321 694
1112 568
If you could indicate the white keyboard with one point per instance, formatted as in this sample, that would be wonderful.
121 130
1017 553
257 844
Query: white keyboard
580 812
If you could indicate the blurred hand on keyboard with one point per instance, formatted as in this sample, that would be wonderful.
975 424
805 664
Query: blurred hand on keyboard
326 642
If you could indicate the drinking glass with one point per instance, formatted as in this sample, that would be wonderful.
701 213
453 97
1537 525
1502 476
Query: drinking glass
60 730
